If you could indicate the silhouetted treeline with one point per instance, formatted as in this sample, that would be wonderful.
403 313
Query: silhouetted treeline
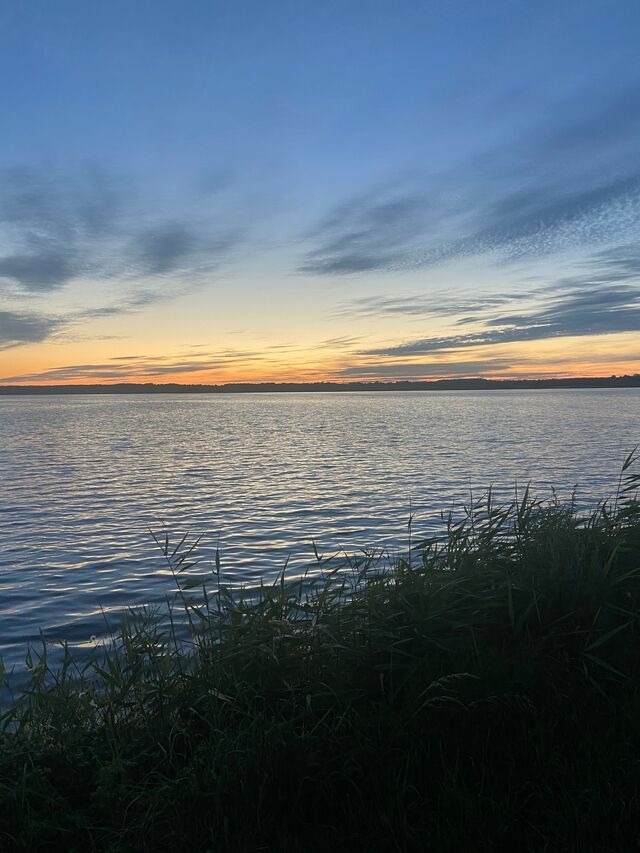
627 381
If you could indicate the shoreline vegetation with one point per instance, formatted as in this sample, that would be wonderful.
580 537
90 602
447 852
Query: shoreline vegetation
481 692
474 384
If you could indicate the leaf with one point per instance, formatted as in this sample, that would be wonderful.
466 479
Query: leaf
631 458
219 695
607 636
605 665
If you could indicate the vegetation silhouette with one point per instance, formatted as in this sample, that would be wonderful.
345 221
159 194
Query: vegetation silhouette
477 384
481 690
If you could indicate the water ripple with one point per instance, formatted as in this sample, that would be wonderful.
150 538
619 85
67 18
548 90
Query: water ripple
264 477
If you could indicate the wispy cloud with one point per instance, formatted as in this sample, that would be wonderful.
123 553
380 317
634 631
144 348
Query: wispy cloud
48 223
536 222
344 342
420 305
130 368
18 328
366 233
424 370
57 228
571 181
40 266
603 298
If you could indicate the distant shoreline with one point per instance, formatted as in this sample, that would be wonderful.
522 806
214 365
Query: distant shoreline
628 381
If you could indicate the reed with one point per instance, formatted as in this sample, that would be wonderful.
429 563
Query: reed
481 690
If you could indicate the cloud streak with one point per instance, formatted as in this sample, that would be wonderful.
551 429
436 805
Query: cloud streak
131 368
424 370
59 228
420 305
18 328
604 298
571 182
366 234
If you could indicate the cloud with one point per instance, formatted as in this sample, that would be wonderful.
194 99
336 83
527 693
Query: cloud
169 247
603 298
420 305
342 342
40 268
58 228
614 265
162 249
50 224
365 234
571 181
426 370
18 328
539 221
132 368
24 327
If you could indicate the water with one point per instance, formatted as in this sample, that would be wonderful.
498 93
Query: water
82 479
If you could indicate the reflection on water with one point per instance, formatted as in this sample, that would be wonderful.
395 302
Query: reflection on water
82 479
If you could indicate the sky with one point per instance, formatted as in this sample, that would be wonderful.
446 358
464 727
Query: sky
242 191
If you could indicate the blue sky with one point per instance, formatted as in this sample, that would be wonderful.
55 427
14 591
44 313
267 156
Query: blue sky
217 191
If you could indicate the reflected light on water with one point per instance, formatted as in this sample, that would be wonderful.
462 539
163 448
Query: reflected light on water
84 479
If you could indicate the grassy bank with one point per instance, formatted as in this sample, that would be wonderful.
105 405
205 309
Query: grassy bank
482 692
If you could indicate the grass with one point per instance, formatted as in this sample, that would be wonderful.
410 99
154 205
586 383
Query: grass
481 692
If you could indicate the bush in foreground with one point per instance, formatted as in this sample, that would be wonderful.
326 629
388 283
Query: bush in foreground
482 691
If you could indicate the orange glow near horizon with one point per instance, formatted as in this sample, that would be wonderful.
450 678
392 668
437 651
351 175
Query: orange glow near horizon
594 356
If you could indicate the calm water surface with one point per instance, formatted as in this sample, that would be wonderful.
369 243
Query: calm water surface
82 479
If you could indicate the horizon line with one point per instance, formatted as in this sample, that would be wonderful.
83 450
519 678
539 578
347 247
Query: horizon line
471 383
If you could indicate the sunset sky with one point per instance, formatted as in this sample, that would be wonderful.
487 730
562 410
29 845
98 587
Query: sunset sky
248 190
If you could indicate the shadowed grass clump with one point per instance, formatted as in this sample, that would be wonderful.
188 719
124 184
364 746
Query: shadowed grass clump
482 691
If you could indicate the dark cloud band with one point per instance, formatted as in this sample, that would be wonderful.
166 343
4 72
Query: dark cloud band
60 228
604 298
18 328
